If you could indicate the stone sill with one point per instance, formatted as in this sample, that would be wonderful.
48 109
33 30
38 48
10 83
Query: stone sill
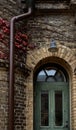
51 6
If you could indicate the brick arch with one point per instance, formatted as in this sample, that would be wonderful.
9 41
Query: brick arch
64 56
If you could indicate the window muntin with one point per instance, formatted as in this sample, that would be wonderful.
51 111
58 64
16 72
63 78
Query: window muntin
51 75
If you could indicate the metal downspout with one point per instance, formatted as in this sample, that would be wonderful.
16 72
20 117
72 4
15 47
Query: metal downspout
11 68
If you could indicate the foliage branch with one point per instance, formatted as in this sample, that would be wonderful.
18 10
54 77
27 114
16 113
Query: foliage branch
21 41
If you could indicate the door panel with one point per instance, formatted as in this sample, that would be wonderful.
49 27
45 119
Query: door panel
51 106
44 108
58 108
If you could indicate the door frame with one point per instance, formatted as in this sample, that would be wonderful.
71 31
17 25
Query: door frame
58 84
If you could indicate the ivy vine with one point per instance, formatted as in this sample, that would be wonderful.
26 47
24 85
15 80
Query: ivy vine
21 41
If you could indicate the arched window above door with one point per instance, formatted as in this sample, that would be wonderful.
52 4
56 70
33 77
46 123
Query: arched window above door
51 74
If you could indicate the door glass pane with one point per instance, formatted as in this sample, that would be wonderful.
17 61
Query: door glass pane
51 75
44 108
58 108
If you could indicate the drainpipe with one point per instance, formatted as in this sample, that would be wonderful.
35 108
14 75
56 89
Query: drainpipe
11 67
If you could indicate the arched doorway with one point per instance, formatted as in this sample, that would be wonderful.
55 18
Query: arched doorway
51 98
66 60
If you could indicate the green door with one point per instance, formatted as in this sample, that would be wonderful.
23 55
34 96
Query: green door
51 106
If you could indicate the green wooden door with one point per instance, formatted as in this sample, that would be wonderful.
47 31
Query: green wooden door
51 106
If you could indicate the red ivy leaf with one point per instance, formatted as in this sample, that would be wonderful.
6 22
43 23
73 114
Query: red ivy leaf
1 36
7 25
6 30
18 45
25 43
5 43
19 33
17 37
3 22
24 36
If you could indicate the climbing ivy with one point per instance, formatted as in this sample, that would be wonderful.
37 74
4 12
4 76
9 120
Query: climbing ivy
21 41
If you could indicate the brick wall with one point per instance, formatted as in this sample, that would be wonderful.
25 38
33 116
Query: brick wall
40 29
8 9
20 102
3 98
59 27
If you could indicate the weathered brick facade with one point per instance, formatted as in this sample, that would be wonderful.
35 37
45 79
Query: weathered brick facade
41 28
